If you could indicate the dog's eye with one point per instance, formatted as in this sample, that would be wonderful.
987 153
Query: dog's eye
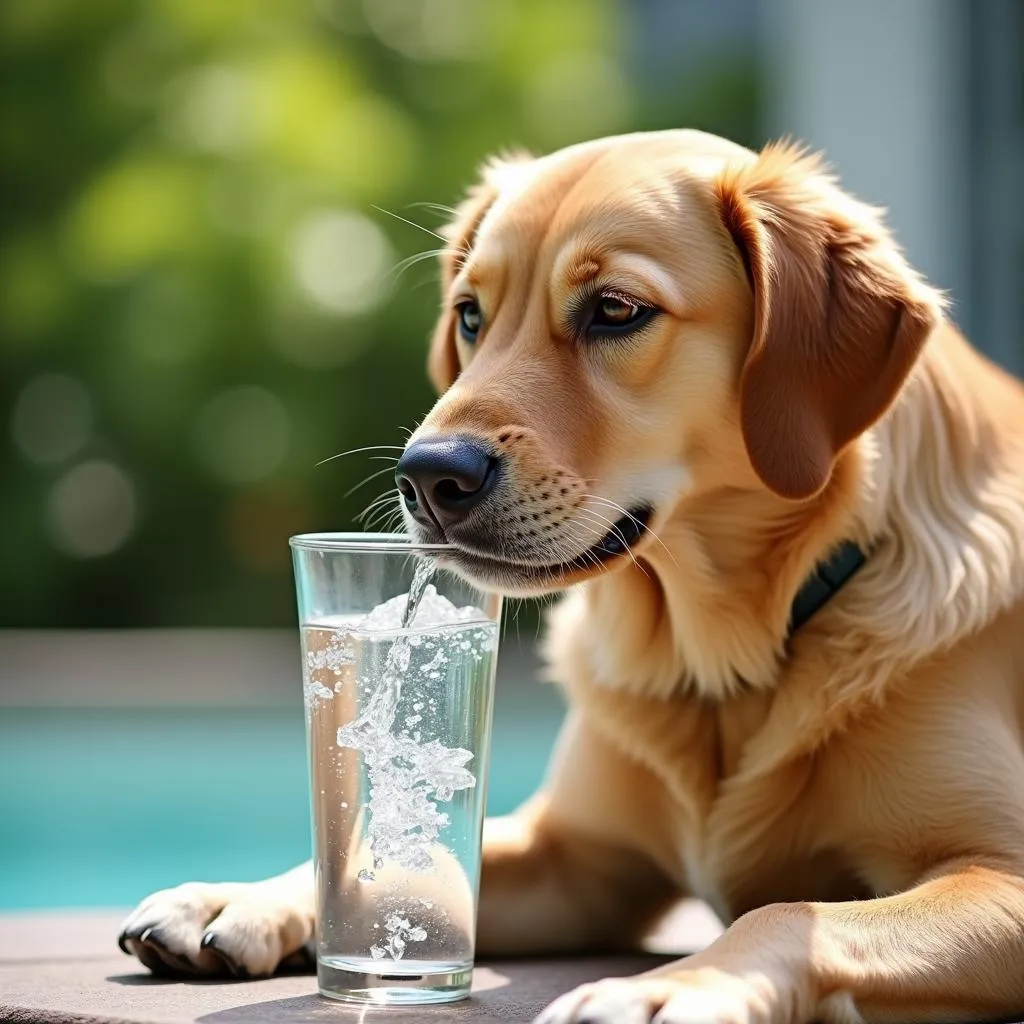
616 315
613 312
470 319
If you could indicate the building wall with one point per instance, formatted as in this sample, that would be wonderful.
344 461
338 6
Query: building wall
881 88
918 105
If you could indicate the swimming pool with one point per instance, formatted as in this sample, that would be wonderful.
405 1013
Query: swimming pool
101 805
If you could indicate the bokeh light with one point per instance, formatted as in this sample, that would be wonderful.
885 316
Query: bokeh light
431 29
52 418
215 110
341 261
132 215
92 510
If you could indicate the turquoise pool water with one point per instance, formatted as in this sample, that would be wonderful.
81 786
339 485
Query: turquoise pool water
100 806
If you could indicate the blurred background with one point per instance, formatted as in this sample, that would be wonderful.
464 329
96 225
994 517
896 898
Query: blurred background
211 217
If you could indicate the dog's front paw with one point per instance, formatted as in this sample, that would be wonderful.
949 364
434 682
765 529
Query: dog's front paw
248 930
698 997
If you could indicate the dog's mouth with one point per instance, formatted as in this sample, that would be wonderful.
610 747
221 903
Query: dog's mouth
623 535
621 538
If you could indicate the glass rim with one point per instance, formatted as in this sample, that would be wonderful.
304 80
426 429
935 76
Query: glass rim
387 543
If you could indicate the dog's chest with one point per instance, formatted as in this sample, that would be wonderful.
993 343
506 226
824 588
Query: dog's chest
740 838
727 823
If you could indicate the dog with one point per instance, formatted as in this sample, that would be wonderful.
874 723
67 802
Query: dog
700 390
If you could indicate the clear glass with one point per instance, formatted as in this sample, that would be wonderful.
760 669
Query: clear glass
398 720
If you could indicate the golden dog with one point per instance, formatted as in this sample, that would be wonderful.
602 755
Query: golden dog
677 376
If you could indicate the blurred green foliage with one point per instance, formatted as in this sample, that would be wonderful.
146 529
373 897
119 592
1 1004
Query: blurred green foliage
198 294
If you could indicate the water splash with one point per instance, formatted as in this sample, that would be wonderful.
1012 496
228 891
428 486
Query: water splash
407 778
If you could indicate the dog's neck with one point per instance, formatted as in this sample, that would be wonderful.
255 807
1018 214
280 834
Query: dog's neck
708 608
711 598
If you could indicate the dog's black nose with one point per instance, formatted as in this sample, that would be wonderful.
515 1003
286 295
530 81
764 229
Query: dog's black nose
443 479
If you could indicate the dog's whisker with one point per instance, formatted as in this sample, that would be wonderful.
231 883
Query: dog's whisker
616 532
367 448
410 261
448 211
411 223
381 502
382 522
515 619
587 556
580 538
371 524
647 529
610 526
389 495
366 480
392 522
378 512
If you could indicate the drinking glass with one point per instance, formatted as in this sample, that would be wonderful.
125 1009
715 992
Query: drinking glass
399 662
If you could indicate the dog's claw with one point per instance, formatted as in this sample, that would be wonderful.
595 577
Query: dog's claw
154 951
155 937
209 941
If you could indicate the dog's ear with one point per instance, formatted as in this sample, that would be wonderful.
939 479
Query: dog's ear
460 235
839 316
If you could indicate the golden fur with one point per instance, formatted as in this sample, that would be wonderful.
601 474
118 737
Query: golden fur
803 389
851 797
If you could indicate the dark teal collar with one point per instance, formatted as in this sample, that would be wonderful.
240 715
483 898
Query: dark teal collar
825 582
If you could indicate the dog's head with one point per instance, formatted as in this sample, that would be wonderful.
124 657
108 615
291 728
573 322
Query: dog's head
631 322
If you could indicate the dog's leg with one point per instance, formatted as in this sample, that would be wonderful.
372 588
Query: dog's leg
949 949
567 872
248 929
